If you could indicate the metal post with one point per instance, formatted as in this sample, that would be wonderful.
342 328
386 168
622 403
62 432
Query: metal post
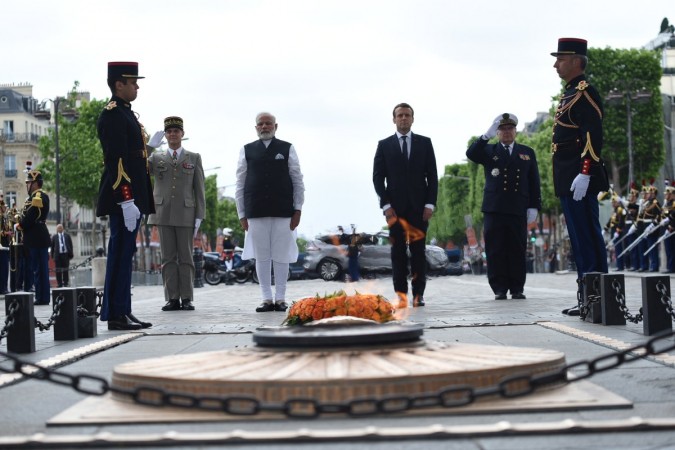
65 325
629 133
591 296
57 157
655 317
611 310
21 336
86 325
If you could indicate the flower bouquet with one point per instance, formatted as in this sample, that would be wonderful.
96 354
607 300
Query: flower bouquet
362 306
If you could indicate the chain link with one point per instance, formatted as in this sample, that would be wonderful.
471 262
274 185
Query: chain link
621 300
665 299
58 302
12 311
302 408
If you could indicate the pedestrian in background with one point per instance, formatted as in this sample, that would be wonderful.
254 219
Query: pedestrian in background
62 252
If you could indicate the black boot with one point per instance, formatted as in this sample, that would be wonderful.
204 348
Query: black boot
172 305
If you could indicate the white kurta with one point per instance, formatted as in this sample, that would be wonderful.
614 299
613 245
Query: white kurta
270 238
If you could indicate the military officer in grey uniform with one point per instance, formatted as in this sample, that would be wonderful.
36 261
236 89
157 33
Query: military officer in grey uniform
179 206
511 201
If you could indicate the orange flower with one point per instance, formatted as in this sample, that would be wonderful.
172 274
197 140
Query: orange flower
365 306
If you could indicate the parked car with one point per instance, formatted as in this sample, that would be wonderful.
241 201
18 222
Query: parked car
328 259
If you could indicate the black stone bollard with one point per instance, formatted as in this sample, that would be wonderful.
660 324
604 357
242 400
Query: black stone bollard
65 325
655 317
86 325
21 335
592 292
611 309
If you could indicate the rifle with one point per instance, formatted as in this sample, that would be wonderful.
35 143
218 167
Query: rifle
661 239
644 234
611 243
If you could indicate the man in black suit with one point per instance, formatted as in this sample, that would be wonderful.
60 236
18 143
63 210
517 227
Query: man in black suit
406 181
511 200
62 253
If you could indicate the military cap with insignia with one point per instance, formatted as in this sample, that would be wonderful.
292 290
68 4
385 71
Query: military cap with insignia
507 119
119 69
571 46
173 122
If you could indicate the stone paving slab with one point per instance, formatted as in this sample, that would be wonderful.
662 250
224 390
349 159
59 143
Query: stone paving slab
460 309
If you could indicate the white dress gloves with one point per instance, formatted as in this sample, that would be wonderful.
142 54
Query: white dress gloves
131 214
531 214
197 223
580 186
156 140
492 131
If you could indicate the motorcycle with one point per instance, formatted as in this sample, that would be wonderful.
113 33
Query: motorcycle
230 268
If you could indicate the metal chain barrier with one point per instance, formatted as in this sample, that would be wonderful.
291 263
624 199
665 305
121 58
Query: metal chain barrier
303 408
76 266
58 302
583 308
621 300
84 312
665 299
12 311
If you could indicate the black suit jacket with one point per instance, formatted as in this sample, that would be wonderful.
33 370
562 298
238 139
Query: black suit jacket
56 245
406 185
512 182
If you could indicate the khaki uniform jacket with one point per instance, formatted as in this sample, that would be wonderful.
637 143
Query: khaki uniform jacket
178 188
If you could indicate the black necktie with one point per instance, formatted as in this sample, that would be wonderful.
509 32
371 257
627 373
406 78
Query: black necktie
175 156
404 147
506 148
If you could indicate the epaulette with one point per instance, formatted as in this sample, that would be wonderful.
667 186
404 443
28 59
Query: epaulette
36 200
111 104
582 85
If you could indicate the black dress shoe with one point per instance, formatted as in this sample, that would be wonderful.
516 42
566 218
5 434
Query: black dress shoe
280 306
172 305
518 296
141 323
187 305
265 307
418 301
123 323
573 311
500 296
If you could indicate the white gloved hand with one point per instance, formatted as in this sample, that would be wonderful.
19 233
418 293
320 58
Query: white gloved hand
492 131
131 214
197 223
616 235
666 221
580 186
632 229
650 228
156 140
531 214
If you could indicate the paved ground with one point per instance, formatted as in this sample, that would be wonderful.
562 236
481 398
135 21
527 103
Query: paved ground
459 309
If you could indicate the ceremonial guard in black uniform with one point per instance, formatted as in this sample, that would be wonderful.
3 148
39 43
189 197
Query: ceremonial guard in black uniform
632 209
125 192
578 170
667 211
651 215
5 240
511 200
616 227
36 238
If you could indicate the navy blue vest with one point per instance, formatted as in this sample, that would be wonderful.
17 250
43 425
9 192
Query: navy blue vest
268 190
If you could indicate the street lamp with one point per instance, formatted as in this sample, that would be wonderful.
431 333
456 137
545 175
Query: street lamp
57 175
616 96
